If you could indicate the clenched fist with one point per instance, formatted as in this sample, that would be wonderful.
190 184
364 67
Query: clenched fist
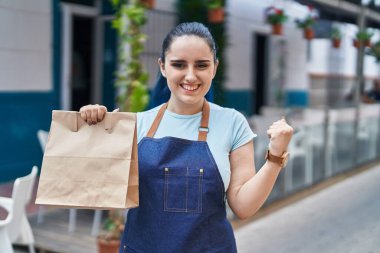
92 114
279 134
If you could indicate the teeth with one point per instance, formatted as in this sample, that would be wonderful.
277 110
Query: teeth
189 87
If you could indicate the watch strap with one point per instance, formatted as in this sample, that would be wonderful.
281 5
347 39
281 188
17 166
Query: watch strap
276 159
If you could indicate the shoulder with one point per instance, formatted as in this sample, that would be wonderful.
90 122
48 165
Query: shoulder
145 120
226 114
147 115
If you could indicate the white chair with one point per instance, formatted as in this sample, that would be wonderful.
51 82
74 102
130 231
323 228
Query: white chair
297 149
15 229
42 136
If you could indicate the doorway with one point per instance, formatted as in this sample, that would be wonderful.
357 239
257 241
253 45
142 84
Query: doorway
81 68
260 70
80 83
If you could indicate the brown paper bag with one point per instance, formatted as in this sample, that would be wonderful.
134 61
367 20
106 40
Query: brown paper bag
90 166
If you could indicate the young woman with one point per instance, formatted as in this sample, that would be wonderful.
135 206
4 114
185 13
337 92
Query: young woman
193 155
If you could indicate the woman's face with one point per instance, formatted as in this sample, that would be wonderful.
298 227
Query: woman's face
189 68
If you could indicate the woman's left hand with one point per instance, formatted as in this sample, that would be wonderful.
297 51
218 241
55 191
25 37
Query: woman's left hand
279 134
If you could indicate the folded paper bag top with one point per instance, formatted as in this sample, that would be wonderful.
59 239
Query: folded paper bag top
92 167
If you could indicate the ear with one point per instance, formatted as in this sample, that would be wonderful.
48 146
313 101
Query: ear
215 68
162 67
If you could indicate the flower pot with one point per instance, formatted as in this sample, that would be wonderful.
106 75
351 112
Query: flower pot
356 43
277 29
308 33
216 15
108 246
336 43
360 43
148 3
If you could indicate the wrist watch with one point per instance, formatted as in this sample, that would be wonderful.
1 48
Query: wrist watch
280 160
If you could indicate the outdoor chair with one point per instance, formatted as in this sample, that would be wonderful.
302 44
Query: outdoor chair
297 150
15 229
42 136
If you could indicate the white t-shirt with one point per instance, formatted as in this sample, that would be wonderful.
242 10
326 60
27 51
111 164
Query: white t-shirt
228 130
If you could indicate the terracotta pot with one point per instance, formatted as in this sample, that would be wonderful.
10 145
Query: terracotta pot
105 246
308 33
359 43
336 43
148 3
277 29
216 15
356 43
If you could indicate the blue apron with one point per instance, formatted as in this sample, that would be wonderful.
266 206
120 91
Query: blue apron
182 198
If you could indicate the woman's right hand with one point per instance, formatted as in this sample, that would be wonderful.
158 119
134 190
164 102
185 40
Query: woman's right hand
93 114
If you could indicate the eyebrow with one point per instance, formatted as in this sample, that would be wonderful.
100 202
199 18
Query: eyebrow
198 61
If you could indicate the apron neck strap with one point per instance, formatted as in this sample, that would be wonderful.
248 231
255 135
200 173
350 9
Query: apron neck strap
202 130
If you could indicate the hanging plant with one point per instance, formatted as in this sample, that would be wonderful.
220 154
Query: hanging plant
374 50
307 22
148 3
363 39
275 17
131 78
336 37
215 11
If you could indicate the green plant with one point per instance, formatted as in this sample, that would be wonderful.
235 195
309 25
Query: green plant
336 33
113 226
364 35
214 4
374 51
131 78
275 16
309 19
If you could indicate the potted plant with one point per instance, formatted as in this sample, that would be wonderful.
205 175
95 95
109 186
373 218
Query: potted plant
109 240
148 3
307 23
363 38
215 11
275 17
374 50
336 37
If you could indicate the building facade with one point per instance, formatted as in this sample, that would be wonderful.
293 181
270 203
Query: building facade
62 54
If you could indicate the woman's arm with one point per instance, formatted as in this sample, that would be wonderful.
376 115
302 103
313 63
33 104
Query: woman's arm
248 191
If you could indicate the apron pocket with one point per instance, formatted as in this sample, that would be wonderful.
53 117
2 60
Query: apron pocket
183 190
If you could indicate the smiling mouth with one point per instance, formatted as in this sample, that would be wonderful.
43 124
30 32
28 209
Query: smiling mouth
190 87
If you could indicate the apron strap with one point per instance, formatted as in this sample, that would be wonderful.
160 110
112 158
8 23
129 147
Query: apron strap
203 129
157 121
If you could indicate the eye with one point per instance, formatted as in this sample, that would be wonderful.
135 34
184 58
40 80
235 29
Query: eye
178 65
202 65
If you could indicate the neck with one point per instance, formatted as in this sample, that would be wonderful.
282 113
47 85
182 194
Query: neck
179 107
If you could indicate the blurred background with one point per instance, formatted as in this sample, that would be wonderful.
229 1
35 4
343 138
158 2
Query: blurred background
315 62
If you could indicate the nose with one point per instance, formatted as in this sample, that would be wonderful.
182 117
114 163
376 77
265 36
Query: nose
190 75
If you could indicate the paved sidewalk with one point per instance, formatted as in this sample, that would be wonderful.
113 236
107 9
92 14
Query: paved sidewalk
342 218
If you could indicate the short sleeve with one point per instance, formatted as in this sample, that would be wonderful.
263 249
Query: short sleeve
241 132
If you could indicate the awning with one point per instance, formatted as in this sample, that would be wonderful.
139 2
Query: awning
345 11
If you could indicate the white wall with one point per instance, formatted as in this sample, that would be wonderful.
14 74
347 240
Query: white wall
246 18
25 45
327 60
